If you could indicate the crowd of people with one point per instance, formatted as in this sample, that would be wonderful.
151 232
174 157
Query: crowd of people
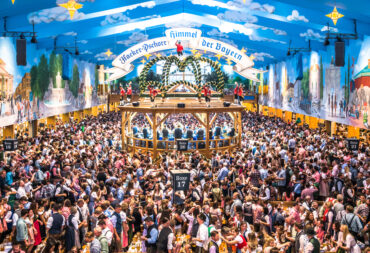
286 189
184 126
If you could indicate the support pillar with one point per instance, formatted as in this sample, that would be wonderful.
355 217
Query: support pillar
51 122
328 127
307 119
33 128
207 135
353 132
8 132
155 152
265 111
123 128
333 128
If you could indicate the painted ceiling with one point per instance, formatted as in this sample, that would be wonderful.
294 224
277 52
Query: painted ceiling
263 28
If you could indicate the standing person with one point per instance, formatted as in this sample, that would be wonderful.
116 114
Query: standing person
202 234
117 219
207 94
54 228
151 237
122 93
240 94
213 246
236 93
179 49
165 238
22 230
102 239
129 92
347 242
313 245
95 246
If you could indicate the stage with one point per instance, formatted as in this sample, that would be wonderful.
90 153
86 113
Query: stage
157 112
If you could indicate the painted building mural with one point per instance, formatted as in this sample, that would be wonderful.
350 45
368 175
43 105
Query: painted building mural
311 84
38 90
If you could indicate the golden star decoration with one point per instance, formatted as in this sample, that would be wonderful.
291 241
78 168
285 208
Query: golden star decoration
158 55
205 51
252 57
228 61
218 63
335 15
243 50
72 7
218 56
13 1
193 51
143 61
108 53
197 55
147 56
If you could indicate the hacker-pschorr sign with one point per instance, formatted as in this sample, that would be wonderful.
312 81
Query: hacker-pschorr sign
243 64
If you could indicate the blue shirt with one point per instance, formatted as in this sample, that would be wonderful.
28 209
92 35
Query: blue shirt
140 173
153 236
9 178
223 173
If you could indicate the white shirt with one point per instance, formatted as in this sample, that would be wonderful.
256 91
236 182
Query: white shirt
202 234
49 223
108 234
170 240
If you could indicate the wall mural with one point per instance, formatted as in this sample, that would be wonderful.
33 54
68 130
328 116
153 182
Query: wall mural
38 90
310 84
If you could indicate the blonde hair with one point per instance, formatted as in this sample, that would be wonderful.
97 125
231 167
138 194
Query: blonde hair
345 230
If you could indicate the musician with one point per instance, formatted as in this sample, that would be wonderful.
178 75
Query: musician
207 94
240 94
122 93
165 133
236 93
129 92
145 133
178 132
189 134
153 93
180 48
217 131
200 134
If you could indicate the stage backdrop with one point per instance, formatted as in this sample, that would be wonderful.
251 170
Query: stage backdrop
38 90
311 84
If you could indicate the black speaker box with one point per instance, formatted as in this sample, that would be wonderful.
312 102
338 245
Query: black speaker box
226 104
181 105
21 52
339 53
136 104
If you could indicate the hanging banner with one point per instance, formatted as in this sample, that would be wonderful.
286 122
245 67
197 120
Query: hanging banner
243 64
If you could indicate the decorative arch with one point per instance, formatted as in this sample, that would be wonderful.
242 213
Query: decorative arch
164 85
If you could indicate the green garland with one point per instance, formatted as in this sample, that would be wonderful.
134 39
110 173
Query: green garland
164 86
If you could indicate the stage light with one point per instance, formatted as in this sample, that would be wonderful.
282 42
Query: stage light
22 37
33 39
288 54
326 42
77 52
339 39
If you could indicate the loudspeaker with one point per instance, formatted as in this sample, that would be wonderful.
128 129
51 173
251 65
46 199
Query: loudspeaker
180 105
136 104
226 104
339 53
21 52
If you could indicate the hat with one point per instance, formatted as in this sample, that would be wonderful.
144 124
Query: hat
310 231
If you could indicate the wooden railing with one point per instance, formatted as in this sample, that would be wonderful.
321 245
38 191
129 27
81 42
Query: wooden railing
134 143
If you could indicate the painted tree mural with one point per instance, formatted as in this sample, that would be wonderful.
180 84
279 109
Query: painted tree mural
43 76
75 83
321 79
